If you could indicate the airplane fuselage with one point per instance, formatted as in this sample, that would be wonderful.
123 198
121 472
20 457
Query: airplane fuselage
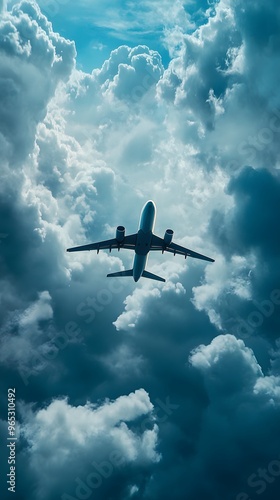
142 243
144 238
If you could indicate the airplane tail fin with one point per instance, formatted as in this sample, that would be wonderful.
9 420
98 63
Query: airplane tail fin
121 273
152 276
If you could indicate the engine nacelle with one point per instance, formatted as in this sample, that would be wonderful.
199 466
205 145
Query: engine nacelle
168 236
120 234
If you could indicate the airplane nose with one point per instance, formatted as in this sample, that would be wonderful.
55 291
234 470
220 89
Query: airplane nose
150 205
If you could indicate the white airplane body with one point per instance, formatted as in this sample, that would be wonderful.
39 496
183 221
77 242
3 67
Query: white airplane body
142 243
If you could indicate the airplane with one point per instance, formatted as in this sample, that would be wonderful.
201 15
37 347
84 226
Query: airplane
142 243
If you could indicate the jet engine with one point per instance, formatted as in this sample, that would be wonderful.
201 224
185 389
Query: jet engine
168 236
120 233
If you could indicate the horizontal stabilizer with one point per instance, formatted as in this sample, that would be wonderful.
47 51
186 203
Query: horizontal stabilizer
121 273
152 276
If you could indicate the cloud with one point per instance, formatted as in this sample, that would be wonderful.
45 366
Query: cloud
135 303
80 153
249 225
88 432
239 295
27 340
3 5
39 311
133 309
226 352
136 73
33 60
209 83
244 404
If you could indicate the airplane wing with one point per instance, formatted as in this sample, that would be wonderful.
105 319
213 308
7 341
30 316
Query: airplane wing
159 244
128 242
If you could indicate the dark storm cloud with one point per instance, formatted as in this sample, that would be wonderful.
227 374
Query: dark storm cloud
249 229
166 328
214 430
239 434
252 223
33 62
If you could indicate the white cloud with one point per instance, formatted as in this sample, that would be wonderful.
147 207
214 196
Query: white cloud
269 388
33 60
60 432
224 352
227 278
138 303
133 308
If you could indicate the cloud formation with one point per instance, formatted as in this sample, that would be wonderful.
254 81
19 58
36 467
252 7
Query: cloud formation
244 408
88 433
80 153
33 60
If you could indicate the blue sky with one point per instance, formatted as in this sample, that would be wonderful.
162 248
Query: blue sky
124 390
98 29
